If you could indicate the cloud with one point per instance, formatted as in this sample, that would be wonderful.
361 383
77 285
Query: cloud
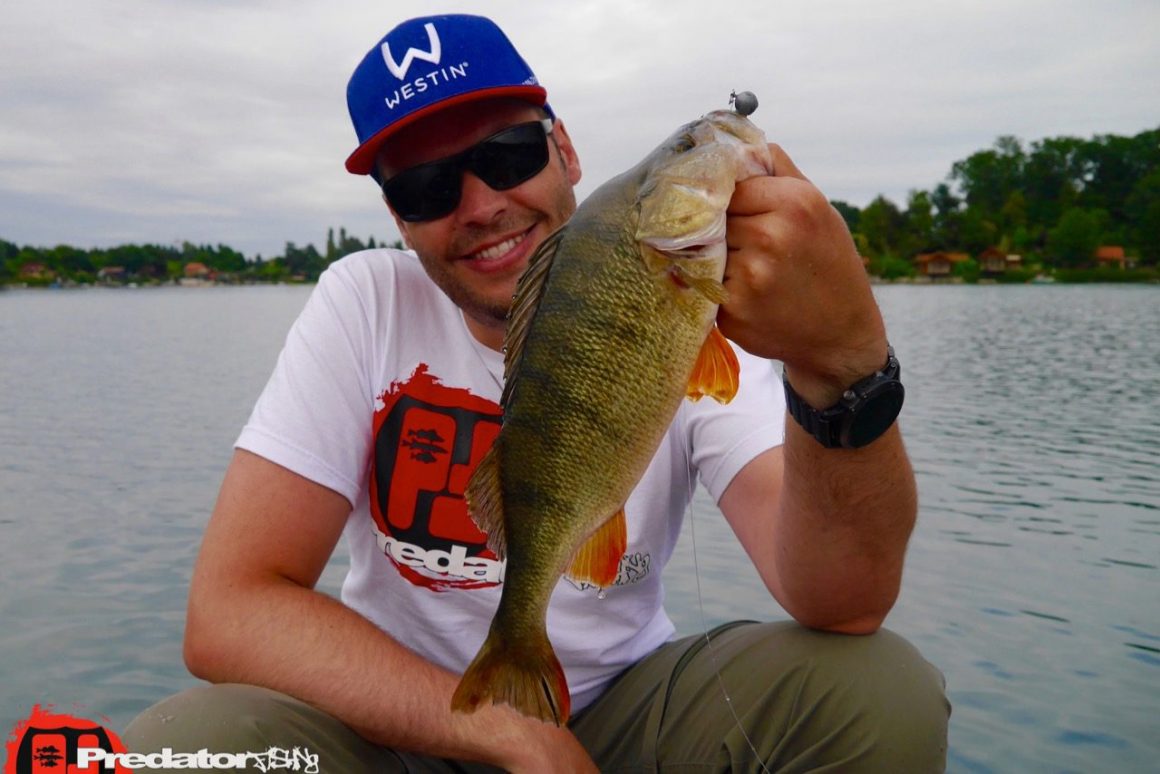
127 120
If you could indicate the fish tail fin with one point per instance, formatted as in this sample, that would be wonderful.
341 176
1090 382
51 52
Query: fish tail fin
484 497
597 560
527 675
716 372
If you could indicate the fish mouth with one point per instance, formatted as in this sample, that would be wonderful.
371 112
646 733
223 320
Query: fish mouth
704 242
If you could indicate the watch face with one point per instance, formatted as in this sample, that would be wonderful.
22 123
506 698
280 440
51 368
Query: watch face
875 415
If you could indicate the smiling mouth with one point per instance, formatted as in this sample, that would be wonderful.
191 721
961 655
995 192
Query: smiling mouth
498 250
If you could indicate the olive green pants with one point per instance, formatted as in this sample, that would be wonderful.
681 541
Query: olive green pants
798 700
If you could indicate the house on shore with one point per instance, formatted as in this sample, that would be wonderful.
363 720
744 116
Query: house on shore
110 275
994 262
938 265
1111 257
197 274
36 271
196 270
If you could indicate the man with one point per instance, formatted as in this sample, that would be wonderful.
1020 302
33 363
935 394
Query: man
384 399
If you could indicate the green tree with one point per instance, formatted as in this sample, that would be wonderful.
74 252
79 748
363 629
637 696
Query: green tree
303 262
978 231
948 218
1052 178
891 267
1074 239
918 229
967 270
1142 209
987 177
270 271
226 258
1013 215
882 224
8 252
69 260
849 213
1113 165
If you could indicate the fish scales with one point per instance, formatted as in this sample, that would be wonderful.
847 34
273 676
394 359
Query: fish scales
614 314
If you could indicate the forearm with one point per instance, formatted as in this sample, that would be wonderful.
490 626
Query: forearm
841 533
286 637
827 528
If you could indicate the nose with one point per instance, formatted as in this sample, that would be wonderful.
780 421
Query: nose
479 202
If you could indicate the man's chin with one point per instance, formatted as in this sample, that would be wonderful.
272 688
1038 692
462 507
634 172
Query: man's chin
490 313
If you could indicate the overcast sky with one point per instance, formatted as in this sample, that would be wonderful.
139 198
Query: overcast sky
224 121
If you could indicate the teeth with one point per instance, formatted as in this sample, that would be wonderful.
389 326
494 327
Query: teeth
496 251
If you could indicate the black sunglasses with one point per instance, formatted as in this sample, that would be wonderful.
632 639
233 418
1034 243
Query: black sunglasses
504 160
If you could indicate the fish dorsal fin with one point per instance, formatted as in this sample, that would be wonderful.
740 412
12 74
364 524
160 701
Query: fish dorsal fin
526 301
597 560
716 371
484 497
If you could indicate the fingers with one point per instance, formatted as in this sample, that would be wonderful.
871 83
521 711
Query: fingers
757 195
783 165
754 196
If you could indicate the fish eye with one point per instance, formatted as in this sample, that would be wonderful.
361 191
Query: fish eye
684 143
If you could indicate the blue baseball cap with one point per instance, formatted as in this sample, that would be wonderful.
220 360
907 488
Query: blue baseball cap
426 64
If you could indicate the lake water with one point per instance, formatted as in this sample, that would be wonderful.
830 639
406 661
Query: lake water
1033 579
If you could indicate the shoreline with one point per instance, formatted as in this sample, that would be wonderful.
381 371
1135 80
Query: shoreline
875 281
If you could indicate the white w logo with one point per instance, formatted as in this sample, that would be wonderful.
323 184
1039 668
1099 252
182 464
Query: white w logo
400 70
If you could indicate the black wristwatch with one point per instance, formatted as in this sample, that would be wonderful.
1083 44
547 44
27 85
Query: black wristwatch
864 412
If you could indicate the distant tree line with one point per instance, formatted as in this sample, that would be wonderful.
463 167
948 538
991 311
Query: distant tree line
1053 202
164 263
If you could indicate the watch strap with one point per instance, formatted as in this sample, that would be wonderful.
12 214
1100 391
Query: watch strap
826 425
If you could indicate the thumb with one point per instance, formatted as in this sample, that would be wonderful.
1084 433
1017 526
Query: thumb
783 165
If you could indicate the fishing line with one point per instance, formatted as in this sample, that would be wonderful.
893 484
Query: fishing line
689 510
744 103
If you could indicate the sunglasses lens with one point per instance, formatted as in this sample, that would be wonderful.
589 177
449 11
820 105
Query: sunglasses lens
502 161
426 192
511 157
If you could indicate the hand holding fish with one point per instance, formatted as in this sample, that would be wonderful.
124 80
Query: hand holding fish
797 289
831 548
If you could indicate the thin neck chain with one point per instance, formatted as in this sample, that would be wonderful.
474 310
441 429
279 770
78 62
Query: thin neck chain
485 355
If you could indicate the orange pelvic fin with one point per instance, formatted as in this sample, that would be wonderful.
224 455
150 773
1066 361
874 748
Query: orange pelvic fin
528 676
716 371
597 560
485 502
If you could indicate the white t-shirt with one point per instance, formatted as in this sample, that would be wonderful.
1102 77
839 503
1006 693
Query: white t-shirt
383 395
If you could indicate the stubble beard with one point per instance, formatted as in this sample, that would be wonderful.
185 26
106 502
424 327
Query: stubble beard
491 312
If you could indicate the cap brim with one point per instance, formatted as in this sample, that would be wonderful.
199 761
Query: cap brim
362 161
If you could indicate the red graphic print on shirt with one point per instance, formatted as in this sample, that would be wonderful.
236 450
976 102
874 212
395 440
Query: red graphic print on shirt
428 440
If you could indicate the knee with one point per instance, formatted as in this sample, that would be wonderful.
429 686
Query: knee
223 718
866 702
887 695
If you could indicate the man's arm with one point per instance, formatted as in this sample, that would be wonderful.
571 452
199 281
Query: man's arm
255 618
826 528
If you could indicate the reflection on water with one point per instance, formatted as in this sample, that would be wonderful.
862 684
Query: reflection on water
1033 579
